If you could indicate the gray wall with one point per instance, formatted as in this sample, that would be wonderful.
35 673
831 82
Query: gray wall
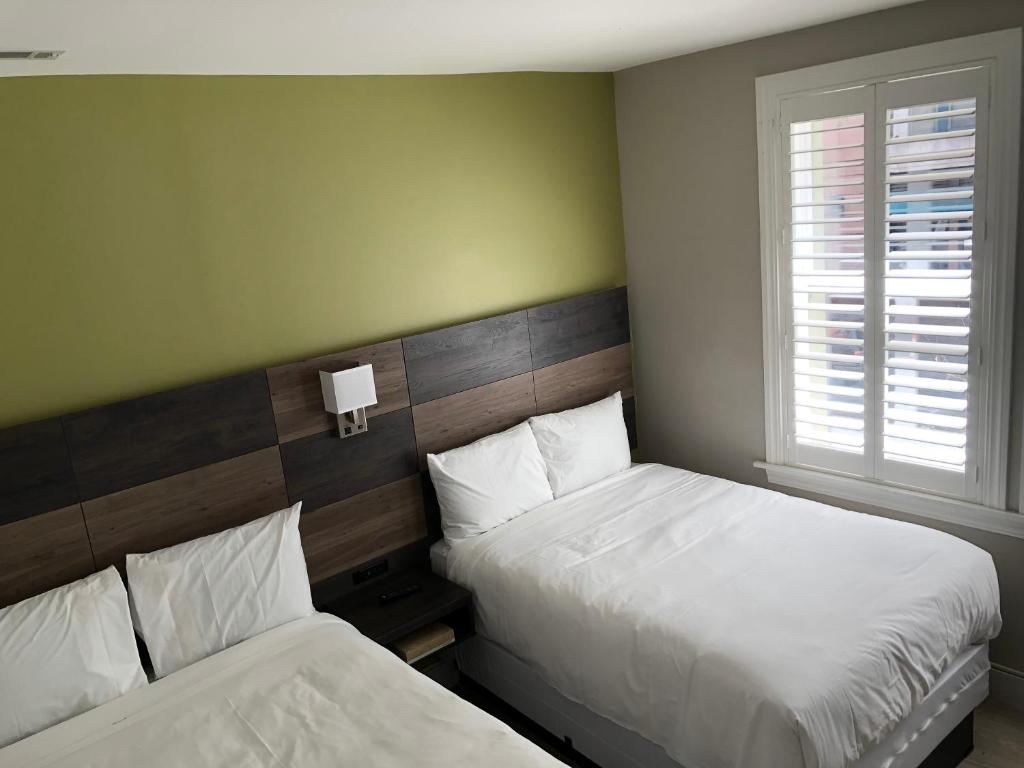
688 155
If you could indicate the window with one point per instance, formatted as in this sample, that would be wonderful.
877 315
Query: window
888 212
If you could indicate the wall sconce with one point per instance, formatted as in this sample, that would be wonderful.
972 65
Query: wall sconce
348 389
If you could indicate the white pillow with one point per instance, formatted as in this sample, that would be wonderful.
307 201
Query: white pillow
194 599
583 445
489 482
64 652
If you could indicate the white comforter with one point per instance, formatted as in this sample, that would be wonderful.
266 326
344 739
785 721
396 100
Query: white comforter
311 693
734 626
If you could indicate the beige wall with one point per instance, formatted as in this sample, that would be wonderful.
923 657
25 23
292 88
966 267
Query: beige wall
688 158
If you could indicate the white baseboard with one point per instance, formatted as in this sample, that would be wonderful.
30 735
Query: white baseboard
1006 687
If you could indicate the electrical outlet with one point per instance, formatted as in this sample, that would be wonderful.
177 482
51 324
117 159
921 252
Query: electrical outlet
369 571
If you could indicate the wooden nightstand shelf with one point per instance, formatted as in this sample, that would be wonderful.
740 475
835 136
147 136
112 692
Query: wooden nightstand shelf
438 600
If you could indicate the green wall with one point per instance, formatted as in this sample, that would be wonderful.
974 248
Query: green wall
157 231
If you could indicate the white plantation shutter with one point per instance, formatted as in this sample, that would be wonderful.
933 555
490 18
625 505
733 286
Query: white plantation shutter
932 196
828 172
881 302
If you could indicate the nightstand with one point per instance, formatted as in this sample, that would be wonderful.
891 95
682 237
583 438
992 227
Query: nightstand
437 600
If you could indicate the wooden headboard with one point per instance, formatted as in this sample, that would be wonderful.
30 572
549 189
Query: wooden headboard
79 492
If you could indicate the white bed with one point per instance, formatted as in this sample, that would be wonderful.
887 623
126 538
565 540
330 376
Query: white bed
732 625
310 693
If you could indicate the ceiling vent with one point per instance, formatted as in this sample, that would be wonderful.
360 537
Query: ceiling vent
29 55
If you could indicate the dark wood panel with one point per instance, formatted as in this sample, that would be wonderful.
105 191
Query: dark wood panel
585 379
462 357
43 552
437 599
324 468
363 527
467 416
35 470
298 400
344 582
137 441
629 415
185 506
578 326
431 507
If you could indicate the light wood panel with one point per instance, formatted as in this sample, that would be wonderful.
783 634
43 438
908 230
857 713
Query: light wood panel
137 441
450 360
185 506
35 471
578 326
345 534
325 468
298 401
467 416
585 379
43 552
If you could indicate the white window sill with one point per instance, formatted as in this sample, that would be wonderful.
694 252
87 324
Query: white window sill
897 499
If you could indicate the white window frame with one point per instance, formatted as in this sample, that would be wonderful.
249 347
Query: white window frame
1000 52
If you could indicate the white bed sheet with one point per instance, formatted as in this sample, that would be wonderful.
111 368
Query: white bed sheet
731 625
311 693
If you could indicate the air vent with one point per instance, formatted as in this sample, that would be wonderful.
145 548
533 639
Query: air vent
30 55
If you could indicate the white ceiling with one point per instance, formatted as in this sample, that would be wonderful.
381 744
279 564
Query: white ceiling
387 36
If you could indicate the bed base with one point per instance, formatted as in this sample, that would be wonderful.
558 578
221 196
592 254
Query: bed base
939 737
955 748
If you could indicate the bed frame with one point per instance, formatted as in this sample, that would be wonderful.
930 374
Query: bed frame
80 491
938 734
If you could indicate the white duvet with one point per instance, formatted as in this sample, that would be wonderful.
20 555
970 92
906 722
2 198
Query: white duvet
734 626
312 693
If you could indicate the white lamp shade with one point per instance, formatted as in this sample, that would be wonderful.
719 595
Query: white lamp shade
349 389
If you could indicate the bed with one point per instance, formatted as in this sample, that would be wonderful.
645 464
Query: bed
661 617
312 692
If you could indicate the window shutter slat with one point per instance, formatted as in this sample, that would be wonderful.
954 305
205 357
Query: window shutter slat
916 138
